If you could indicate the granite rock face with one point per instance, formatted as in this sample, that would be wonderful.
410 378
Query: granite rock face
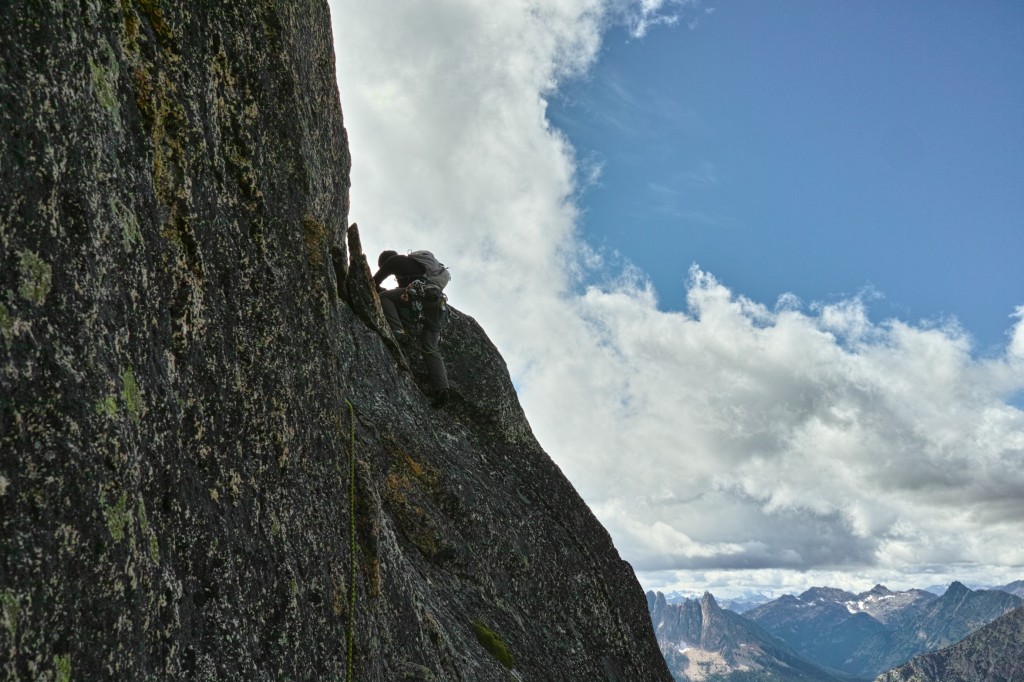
215 463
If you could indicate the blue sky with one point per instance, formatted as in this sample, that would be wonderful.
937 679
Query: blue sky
817 148
753 266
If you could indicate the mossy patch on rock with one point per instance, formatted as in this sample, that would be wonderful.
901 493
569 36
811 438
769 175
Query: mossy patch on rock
107 406
104 79
129 224
62 667
34 276
494 644
131 395
117 515
414 520
6 324
10 611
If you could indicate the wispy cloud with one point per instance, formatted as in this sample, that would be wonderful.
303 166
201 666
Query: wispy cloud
641 114
772 442
674 195
702 177
644 15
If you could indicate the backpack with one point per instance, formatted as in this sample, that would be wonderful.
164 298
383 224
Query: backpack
436 273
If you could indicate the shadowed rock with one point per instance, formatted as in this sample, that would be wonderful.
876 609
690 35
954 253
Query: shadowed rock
211 464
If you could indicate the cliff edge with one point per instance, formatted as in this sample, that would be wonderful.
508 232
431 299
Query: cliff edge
214 462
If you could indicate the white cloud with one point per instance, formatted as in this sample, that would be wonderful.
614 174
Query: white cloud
730 439
1017 339
835 441
643 15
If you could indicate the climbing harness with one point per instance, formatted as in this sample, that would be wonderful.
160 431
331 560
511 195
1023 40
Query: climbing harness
422 297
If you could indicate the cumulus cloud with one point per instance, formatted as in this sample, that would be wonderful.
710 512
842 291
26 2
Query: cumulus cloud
784 438
832 440
728 439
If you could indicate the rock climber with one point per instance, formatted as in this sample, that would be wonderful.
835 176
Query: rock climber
420 280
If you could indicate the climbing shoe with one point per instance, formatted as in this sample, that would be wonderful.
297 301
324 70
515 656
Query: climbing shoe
440 398
404 339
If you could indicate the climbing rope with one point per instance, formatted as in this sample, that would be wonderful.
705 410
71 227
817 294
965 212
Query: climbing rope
352 541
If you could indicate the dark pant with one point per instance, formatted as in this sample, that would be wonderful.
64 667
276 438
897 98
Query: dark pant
397 312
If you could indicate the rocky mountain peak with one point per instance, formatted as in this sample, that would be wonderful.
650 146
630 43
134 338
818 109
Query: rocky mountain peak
700 639
826 594
957 589
708 603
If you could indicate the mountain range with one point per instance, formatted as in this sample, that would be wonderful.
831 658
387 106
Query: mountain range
737 604
1015 588
824 633
702 641
995 653
867 634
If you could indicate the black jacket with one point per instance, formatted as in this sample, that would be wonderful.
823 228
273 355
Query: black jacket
405 269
